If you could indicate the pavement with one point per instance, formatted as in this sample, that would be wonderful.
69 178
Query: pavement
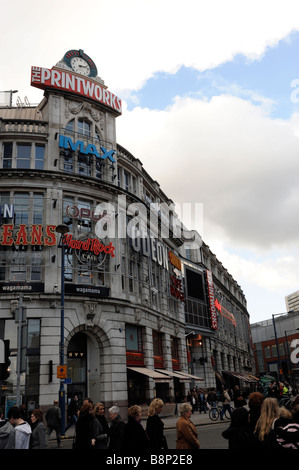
199 419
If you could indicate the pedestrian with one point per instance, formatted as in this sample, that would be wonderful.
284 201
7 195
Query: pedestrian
53 420
7 433
236 394
255 402
264 430
202 403
116 430
155 426
212 399
99 436
100 415
187 437
288 437
284 417
238 431
23 411
22 428
135 437
225 403
84 428
73 409
38 437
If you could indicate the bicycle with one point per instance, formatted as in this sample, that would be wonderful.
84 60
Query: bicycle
215 411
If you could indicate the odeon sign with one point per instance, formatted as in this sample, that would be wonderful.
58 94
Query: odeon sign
90 149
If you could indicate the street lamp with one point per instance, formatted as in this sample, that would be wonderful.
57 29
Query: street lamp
62 229
276 341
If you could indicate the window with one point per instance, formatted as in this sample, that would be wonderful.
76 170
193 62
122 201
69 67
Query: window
23 155
127 181
39 157
175 354
21 208
7 155
84 127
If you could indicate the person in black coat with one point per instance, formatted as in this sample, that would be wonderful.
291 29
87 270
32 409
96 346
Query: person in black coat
155 426
116 430
84 428
100 415
238 431
135 437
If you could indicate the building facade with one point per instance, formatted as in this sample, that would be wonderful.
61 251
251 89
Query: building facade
217 320
276 343
108 295
292 301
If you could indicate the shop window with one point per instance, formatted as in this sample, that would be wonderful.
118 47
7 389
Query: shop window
175 354
134 345
158 350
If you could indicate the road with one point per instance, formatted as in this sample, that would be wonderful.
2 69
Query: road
210 437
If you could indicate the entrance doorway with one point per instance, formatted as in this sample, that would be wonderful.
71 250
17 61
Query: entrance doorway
77 367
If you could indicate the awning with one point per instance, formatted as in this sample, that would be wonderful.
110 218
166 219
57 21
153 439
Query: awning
219 377
150 373
171 373
245 378
268 378
190 377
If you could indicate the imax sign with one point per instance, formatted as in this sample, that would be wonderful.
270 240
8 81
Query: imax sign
68 144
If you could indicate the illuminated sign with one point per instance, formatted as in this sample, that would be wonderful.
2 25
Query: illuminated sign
67 143
225 313
176 287
212 300
35 234
76 212
90 244
83 86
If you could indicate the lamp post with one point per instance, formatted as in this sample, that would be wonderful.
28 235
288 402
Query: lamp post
62 229
276 340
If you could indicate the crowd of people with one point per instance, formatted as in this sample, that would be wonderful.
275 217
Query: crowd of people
263 423
92 430
257 423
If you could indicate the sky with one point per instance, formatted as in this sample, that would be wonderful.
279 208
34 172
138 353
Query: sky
210 94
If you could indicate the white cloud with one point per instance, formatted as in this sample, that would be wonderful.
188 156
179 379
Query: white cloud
228 154
131 41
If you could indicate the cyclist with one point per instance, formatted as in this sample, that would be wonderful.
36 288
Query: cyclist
226 403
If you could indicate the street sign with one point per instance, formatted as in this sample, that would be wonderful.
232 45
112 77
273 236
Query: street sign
68 381
61 372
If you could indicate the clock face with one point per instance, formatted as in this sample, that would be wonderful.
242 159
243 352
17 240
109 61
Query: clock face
80 63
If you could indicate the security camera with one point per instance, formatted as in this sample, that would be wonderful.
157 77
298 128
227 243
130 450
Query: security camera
55 286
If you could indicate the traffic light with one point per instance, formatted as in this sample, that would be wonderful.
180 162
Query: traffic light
4 368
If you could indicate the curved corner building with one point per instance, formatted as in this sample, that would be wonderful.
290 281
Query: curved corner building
91 280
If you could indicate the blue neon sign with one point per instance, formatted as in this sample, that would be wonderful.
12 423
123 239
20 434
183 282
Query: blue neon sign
67 143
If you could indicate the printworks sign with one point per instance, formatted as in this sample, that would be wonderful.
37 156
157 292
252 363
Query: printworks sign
80 85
